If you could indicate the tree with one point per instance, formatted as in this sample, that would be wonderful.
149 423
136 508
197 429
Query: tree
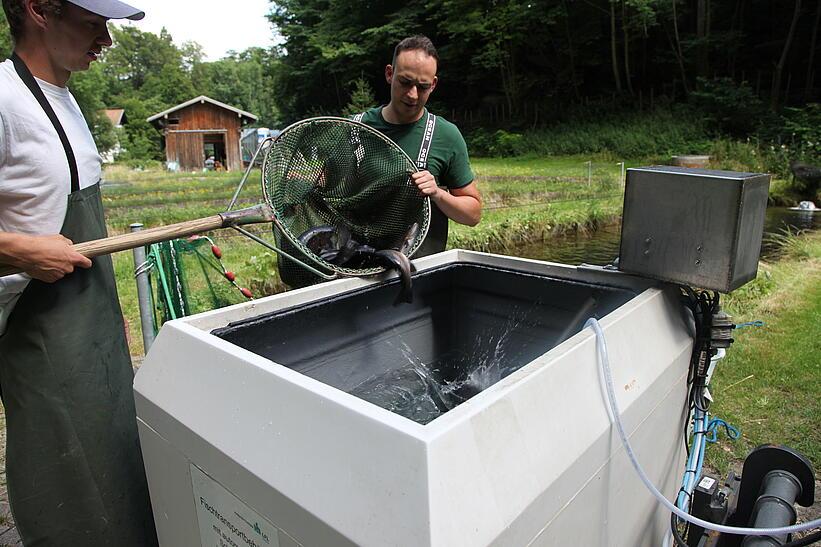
329 43
361 98
614 59
168 87
89 87
140 140
810 66
495 38
136 54
5 36
775 94
245 80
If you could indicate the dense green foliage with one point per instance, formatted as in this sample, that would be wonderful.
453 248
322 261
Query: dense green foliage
626 78
650 134
629 78
517 62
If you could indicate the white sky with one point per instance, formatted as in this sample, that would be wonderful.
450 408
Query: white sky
216 26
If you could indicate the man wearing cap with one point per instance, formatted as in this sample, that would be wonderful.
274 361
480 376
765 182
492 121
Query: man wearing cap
73 463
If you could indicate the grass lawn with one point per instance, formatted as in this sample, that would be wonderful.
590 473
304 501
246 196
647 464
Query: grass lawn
769 386
526 200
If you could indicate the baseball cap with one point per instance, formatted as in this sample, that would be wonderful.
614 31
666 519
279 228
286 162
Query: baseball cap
110 9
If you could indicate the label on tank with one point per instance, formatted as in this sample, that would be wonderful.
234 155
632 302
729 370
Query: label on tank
225 521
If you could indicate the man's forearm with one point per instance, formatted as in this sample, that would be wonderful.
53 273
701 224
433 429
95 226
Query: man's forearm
47 258
462 209
12 248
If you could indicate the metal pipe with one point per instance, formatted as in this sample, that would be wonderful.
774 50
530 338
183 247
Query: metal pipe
143 292
248 172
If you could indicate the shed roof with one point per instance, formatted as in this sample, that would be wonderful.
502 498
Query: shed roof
202 99
116 115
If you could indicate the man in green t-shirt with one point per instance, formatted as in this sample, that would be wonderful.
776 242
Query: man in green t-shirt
445 174
436 144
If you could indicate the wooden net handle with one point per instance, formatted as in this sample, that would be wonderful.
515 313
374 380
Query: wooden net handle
123 242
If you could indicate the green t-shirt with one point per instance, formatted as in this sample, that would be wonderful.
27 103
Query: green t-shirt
448 162
448 158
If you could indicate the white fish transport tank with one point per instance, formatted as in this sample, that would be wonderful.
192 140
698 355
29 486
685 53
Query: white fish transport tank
473 416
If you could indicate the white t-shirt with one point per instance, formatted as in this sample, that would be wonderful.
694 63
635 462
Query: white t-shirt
34 174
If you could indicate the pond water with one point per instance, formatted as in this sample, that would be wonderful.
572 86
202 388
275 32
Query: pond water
602 246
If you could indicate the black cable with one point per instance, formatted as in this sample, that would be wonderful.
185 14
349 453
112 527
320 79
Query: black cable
806 540
676 535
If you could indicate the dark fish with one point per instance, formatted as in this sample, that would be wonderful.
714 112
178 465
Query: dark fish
326 241
408 240
394 260
345 253
362 257
336 246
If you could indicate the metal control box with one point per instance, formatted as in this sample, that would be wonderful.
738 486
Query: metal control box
697 227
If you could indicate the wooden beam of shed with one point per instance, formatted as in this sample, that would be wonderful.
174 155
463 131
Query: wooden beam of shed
198 131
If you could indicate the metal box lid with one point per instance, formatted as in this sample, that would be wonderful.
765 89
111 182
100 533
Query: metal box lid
697 227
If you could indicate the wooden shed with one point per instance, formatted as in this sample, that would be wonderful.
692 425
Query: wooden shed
200 128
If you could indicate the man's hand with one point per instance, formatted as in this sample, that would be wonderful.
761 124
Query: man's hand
463 205
426 183
47 258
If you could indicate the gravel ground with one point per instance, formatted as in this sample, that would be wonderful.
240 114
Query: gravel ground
8 533
806 514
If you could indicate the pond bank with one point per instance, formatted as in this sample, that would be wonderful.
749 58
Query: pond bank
503 230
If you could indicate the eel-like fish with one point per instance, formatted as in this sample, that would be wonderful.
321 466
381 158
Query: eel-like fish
394 260
335 245
408 240
326 242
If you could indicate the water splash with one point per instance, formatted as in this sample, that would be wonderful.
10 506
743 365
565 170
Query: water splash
422 392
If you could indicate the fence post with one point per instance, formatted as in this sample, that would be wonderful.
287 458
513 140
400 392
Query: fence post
621 180
143 292
589 173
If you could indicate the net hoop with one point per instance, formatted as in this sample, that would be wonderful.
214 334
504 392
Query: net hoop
267 168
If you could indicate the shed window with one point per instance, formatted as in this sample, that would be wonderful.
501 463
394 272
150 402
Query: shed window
173 121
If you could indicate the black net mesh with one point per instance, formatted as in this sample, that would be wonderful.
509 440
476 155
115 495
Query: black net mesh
332 183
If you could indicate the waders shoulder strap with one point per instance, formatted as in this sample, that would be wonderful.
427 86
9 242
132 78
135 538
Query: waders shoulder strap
427 139
28 79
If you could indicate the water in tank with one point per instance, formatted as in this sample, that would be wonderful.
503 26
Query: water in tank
468 327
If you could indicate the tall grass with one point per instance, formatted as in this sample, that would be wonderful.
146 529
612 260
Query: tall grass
660 134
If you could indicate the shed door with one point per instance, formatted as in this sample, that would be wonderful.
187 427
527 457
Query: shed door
214 145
